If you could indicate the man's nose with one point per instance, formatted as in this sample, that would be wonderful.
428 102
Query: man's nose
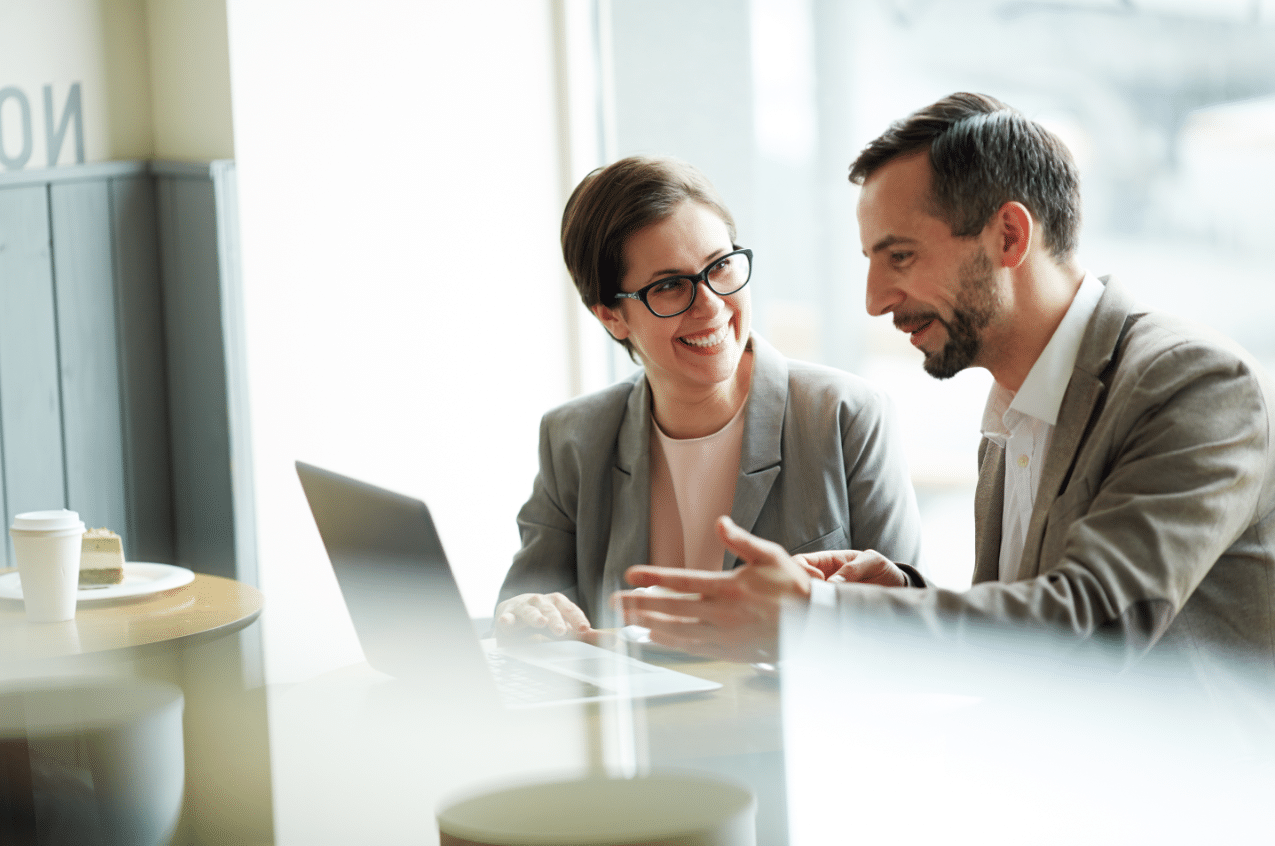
882 295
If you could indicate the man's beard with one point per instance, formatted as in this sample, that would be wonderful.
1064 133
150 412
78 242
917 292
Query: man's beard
976 305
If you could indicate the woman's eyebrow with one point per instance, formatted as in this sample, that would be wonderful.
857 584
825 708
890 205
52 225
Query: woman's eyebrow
661 274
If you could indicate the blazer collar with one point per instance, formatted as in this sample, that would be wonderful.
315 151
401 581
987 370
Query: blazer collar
767 394
768 391
1084 391
759 457
633 447
759 454
1103 333
989 508
630 518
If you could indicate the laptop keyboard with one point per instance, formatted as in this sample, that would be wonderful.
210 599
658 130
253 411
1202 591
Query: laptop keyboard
521 683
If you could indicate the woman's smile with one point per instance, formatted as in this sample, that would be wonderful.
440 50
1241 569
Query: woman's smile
705 342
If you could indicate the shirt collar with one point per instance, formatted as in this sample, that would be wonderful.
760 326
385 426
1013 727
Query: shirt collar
1041 394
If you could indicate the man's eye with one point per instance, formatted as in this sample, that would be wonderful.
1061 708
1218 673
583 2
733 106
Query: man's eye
899 258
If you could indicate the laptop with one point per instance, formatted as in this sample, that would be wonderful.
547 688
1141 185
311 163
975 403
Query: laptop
412 622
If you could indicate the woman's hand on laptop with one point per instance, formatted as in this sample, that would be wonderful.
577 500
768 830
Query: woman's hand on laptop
549 615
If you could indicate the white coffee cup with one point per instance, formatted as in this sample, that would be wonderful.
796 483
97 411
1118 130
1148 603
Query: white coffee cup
47 546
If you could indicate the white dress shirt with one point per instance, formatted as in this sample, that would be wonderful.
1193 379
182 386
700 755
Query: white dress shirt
1023 422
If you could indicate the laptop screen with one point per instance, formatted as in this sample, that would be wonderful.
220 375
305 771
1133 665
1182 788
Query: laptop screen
402 597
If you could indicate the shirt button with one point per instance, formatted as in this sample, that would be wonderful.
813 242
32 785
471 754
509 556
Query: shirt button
1023 460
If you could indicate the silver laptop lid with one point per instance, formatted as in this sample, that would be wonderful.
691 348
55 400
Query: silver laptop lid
400 591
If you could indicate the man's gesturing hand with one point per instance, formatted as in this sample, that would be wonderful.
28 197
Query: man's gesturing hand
731 615
851 565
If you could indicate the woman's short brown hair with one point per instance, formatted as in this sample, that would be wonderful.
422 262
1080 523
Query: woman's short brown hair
613 203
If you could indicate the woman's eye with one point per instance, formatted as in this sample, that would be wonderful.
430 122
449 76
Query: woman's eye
667 286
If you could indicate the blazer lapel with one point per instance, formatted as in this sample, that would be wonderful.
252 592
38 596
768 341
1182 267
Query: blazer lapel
989 505
759 456
1084 392
630 537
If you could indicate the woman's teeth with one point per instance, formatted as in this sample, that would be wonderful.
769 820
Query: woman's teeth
707 340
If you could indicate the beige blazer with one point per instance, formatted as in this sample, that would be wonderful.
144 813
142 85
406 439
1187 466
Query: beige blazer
1153 523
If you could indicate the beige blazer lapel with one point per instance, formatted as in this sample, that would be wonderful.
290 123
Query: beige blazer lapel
1084 393
760 456
989 505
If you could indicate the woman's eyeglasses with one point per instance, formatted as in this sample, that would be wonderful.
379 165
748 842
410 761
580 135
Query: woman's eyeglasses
673 295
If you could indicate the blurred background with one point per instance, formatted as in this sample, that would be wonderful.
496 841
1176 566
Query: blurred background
403 313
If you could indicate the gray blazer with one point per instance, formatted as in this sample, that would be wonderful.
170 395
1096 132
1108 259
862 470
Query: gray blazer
820 468
1153 522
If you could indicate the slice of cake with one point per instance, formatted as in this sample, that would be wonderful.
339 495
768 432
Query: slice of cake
101 559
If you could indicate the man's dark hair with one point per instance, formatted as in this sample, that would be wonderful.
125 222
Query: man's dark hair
984 154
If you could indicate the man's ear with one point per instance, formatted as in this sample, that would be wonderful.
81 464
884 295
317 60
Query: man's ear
1015 230
611 320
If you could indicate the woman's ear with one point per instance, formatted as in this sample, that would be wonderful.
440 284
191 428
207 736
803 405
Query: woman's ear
612 320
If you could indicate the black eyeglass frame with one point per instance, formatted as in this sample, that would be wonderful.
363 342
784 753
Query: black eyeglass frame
641 293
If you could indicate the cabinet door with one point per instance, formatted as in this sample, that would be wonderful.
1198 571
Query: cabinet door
143 372
83 378
88 352
30 397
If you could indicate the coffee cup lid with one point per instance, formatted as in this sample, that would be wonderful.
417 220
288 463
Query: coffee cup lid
47 521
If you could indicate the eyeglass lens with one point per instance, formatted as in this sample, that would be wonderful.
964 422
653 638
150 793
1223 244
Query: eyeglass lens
725 277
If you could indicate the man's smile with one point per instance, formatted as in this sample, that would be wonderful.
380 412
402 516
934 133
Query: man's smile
914 326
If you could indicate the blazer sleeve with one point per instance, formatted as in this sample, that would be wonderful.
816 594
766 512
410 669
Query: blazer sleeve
546 562
1174 471
882 503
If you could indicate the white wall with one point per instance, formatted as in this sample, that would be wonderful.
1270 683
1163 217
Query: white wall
153 76
101 44
400 184
400 194
190 79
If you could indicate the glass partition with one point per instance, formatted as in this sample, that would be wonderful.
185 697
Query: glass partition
1168 106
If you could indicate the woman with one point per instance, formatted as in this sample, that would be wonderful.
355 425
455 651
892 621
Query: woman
716 422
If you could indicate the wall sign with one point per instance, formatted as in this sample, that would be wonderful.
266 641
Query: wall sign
15 106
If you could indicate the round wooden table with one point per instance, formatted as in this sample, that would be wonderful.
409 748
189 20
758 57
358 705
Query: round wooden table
207 608
192 637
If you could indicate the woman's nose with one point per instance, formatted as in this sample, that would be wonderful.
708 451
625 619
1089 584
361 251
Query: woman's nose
707 301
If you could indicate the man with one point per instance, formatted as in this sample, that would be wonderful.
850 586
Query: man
1127 472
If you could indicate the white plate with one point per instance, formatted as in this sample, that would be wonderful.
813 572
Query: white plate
139 579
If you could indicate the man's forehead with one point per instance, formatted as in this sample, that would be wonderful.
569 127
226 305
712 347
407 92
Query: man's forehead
899 183
894 204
